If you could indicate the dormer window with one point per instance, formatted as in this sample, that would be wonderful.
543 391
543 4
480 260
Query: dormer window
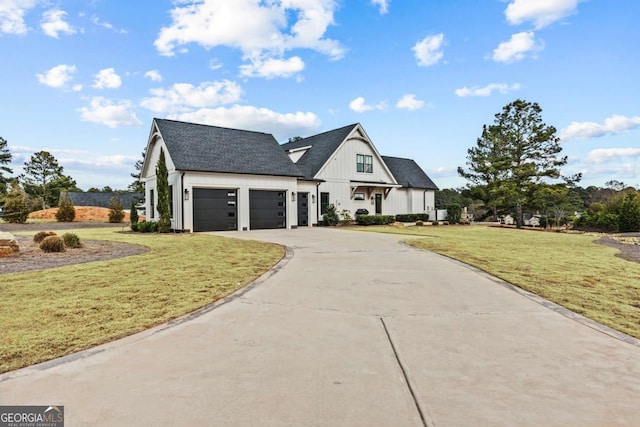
364 163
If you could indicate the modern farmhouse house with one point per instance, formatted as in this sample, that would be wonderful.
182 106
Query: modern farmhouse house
229 179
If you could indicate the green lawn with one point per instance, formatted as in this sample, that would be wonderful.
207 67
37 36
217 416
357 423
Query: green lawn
50 313
568 269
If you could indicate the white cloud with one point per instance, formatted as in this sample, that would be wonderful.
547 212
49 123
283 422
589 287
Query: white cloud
58 76
154 75
410 102
540 12
116 161
517 47
108 113
259 29
106 25
185 96
107 79
271 68
53 23
248 117
602 155
215 64
359 105
12 15
612 125
383 5
503 88
428 51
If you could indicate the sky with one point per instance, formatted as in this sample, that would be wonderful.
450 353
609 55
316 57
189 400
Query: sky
83 79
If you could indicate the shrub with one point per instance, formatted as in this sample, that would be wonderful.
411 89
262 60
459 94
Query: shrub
66 211
454 213
71 240
147 227
16 205
423 217
375 219
41 235
133 216
116 214
435 223
629 214
331 215
419 223
52 244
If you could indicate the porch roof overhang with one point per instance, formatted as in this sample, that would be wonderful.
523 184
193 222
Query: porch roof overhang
370 186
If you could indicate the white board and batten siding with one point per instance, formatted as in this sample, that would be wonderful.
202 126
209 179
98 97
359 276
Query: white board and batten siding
242 184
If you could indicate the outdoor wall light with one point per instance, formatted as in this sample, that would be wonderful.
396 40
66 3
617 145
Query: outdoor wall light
313 198
186 194
293 196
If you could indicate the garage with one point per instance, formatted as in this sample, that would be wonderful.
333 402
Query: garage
215 209
267 209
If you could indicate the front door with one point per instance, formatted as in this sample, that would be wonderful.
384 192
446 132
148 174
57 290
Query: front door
303 209
378 204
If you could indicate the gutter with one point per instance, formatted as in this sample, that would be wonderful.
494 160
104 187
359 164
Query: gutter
182 199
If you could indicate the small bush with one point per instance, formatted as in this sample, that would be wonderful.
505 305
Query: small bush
71 240
375 219
435 223
331 215
41 235
148 227
116 214
454 213
133 216
419 223
52 244
66 211
134 226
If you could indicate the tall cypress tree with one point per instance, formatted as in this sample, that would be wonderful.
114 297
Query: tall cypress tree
162 184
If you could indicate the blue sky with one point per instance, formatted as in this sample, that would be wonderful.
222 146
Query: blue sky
83 79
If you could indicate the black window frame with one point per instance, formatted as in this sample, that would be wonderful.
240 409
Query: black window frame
324 202
364 163
153 204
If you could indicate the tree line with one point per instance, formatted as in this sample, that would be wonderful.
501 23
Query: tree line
41 183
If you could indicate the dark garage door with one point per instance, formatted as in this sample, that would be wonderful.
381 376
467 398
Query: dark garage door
267 209
215 209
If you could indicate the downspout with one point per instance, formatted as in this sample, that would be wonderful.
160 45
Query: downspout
318 203
182 198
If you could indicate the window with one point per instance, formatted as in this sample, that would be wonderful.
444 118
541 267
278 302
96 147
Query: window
324 202
358 196
364 163
153 204
171 201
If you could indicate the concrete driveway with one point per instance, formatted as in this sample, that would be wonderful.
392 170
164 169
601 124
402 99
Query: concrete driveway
352 329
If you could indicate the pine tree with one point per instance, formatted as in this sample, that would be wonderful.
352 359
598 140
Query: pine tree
5 159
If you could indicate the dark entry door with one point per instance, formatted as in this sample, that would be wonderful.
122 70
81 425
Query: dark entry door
378 204
214 209
267 209
303 209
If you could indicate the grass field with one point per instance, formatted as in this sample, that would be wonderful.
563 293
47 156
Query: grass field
568 269
51 313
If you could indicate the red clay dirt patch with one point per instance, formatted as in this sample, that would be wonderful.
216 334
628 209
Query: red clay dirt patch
83 213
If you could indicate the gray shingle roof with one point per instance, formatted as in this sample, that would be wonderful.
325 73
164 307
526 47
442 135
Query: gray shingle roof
195 147
322 147
102 199
408 173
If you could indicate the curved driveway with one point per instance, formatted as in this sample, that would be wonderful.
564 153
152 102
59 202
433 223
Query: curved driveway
353 329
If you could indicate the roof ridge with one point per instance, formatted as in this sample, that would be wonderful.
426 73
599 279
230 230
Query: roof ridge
211 126
328 131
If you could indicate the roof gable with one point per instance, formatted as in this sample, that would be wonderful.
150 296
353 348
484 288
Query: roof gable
322 146
196 147
408 173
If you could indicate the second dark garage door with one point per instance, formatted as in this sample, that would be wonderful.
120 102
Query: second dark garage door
267 209
214 209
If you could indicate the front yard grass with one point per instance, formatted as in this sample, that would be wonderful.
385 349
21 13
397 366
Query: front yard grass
568 269
50 313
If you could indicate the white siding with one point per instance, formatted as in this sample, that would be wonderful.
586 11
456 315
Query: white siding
241 183
341 167
314 200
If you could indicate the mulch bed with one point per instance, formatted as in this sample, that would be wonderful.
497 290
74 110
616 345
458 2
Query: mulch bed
629 251
32 258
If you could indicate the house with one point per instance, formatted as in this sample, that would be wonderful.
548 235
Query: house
230 179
